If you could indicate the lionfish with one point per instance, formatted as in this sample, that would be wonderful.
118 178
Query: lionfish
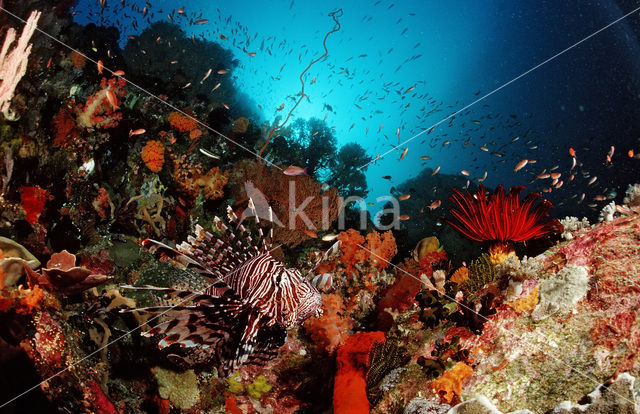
242 317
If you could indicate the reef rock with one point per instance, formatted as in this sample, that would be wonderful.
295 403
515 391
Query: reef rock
562 292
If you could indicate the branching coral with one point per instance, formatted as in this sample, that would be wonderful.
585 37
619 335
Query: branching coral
100 108
571 224
378 249
607 212
332 328
501 218
381 248
519 270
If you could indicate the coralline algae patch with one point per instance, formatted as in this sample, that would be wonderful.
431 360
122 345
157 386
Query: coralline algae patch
528 364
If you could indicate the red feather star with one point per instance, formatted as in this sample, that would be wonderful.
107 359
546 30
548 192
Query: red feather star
501 217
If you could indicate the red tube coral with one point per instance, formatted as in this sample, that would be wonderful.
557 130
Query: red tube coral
501 217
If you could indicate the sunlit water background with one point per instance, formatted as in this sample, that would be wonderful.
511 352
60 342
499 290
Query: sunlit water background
453 53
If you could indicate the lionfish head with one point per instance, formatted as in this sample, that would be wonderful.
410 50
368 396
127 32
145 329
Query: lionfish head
301 299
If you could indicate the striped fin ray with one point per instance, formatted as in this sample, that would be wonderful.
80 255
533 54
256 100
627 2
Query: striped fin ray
266 242
187 260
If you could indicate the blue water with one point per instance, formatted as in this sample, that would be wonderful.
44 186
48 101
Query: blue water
454 53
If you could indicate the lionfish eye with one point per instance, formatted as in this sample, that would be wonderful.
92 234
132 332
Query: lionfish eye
278 278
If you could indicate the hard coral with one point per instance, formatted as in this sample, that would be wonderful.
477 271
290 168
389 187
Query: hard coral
501 218
182 123
63 277
153 155
100 108
350 385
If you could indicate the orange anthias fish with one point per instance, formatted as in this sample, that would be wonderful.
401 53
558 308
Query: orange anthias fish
113 100
572 152
139 131
404 154
404 197
100 67
435 205
520 165
610 154
436 170
294 170
404 217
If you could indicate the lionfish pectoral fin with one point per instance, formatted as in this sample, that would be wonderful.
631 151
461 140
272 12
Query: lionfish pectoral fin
248 339
170 252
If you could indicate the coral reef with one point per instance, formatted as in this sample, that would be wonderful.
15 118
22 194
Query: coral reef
153 155
632 196
299 203
100 110
571 225
179 388
350 385
424 318
501 218
63 277
330 330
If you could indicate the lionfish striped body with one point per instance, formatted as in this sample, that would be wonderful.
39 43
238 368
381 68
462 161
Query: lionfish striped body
243 315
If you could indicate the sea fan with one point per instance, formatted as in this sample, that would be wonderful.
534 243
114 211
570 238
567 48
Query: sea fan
243 316
501 218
